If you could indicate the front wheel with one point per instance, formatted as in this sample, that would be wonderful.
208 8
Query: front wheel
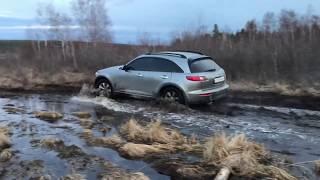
173 95
104 88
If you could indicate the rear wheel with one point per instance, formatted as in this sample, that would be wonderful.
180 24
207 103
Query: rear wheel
173 95
104 88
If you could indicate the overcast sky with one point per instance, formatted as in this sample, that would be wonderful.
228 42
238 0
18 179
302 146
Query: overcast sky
160 17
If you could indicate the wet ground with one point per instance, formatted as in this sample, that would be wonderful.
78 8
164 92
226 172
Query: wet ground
286 131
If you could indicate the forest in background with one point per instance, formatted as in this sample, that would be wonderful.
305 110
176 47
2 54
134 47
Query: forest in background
281 51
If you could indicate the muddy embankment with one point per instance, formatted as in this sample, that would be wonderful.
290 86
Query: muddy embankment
309 101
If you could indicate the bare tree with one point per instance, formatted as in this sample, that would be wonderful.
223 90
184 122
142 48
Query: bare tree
92 17
269 23
59 26
252 28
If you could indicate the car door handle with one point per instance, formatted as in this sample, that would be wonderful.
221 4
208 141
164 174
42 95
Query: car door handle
164 77
139 75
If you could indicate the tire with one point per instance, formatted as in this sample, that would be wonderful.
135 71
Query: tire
104 88
172 94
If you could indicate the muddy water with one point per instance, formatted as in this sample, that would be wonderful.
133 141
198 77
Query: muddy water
26 129
289 132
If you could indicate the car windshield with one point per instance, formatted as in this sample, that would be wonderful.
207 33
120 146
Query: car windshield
203 65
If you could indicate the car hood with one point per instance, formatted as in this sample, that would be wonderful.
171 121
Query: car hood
106 70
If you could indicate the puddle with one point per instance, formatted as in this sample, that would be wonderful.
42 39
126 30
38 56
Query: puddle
27 131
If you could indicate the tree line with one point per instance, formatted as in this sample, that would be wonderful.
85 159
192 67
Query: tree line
282 47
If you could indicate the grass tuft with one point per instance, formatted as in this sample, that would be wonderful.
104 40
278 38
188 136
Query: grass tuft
241 156
48 116
74 177
51 143
112 141
82 115
141 150
154 132
5 155
317 167
4 141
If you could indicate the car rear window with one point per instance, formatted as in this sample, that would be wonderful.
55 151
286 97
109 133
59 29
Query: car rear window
203 65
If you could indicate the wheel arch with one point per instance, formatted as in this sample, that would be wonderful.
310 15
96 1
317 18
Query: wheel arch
100 78
168 85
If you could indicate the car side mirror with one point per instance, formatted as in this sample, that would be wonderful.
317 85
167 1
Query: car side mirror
125 68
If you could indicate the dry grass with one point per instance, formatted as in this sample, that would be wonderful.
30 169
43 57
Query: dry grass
125 176
4 130
4 141
51 143
74 177
121 176
82 115
241 156
5 155
86 123
141 150
317 167
112 172
280 88
138 176
154 132
113 141
220 147
48 116
190 171
154 138
31 79
87 133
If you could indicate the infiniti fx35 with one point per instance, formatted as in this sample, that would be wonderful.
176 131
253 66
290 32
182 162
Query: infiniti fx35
179 76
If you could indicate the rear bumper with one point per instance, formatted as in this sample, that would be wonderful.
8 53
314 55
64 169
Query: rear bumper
207 96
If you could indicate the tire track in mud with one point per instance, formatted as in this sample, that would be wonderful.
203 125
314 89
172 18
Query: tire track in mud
253 121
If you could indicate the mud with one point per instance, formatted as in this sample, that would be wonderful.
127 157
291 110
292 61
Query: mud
290 132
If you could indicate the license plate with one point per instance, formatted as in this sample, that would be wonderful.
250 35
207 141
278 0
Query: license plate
219 79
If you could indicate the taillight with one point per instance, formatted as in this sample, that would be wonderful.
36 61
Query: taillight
196 78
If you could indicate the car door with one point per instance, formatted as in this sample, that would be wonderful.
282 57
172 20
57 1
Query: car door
131 80
159 72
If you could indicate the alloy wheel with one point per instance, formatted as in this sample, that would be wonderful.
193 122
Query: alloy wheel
105 89
171 96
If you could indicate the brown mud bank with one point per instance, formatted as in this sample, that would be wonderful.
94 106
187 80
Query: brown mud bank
262 98
29 80
275 99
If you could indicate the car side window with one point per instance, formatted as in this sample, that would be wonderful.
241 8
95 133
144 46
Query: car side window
164 65
154 64
141 64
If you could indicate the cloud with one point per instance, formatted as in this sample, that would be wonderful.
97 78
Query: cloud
37 27
5 13
119 2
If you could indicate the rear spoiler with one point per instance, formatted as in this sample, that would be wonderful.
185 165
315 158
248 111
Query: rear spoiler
199 59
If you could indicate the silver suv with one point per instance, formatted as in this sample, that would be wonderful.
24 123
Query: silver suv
184 77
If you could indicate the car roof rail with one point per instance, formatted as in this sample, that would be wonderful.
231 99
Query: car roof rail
195 52
169 54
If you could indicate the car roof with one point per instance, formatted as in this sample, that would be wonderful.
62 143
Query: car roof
181 58
188 55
